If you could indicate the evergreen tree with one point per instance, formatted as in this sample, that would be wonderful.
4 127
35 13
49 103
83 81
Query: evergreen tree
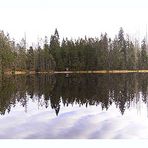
122 49
21 56
6 52
30 59
55 49
144 58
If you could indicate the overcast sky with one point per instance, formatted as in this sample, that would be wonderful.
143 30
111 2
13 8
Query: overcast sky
73 18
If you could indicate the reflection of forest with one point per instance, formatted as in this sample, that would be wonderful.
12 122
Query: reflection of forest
82 89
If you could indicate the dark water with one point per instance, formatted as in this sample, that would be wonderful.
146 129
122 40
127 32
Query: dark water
74 106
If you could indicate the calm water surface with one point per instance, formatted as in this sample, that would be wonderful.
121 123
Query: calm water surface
88 106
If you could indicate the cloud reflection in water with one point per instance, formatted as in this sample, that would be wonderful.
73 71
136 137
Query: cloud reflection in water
74 122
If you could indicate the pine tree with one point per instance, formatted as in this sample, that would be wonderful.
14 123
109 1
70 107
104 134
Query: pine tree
30 59
55 49
122 48
6 52
144 57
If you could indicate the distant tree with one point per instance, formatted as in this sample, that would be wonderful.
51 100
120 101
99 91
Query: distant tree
7 55
55 49
30 59
130 55
21 57
122 48
38 59
115 56
104 51
144 57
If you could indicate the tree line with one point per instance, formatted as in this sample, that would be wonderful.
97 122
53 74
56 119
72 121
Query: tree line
100 53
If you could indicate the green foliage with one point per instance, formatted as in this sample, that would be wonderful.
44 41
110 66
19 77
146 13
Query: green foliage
21 56
7 53
101 53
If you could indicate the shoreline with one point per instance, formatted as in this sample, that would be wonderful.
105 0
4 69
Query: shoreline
77 72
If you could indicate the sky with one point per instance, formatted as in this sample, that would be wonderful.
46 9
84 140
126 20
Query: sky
72 18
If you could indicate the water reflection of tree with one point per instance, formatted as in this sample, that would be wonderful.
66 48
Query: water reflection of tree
18 88
7 98
91 89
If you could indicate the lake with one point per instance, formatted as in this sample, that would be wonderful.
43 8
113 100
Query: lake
74 106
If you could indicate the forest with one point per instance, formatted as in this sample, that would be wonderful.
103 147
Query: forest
55 54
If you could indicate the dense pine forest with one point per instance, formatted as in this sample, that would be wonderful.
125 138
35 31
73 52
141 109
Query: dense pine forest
100 53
